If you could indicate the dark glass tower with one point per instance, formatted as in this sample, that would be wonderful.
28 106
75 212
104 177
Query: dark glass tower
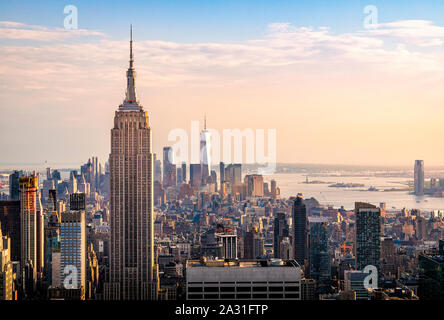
281 231
368 232
319 257
222 172
300 230
14 188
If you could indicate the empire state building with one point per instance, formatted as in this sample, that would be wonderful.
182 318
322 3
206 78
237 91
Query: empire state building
132 275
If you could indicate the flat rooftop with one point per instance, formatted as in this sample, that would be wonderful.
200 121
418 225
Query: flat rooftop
227 263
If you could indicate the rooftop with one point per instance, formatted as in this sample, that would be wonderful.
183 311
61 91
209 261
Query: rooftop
242 263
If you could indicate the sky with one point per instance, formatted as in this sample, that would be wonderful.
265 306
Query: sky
335 91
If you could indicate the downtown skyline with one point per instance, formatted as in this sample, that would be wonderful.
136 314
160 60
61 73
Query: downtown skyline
317 80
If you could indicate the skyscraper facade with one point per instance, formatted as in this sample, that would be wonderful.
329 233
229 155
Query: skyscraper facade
73 250
205 153
157 169
184 172
233 174
6 278
419 177
253 244
32 231
281 232
131 200
300 230
254 185
368 232
222 172
319 257
14 188
195 174
11 226
169 168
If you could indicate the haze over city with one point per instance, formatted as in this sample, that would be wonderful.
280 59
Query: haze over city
334 91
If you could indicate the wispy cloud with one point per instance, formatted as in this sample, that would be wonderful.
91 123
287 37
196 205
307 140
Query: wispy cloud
62 66
417 32
21 31
68 75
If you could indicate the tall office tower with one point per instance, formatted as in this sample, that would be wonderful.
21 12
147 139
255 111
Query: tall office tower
222 172
52 200
97 172
421 228
77 201
29 234
48 173
300 230
195 174
273 189
281 231
354 281
184 172
73 250
255 185
179 176
132 274
11 226
40 264
6 269
172 177
431 273
169 168
14 189
56 175
205 153
157 168
233 174
84 187
367 238
72 183
253 245
389 267
319 257
52 249
213 176
419 177
47 185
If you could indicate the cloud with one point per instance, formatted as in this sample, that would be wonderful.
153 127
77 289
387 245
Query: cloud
21 31
65 68
74 86
417 32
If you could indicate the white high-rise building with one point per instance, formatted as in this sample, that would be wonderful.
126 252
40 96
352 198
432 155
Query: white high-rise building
132 273
205 153
73 250
419 177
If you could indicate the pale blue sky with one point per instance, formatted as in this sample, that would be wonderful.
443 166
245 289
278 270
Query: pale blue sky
214 20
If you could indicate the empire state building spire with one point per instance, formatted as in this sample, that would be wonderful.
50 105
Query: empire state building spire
132 273
131 77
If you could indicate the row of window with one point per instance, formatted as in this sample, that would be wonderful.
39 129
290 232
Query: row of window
243 296
243 282
243 289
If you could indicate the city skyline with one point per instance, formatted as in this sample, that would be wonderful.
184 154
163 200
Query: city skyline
378 84
263 151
